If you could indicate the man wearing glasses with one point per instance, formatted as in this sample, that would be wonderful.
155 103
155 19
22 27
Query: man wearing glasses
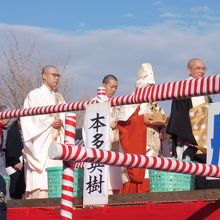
188 125
39 132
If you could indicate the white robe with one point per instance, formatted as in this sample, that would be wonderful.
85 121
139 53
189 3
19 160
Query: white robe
38 135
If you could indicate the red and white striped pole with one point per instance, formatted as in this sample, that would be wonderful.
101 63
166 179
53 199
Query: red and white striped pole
68 170
92 155
167 91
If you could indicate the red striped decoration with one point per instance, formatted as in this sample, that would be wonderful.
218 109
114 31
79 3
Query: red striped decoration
171 90
68 169
132 160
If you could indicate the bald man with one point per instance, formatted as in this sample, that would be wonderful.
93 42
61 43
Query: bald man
179 125
186 144
40 132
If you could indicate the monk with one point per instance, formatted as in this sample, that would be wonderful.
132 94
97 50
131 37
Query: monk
40 132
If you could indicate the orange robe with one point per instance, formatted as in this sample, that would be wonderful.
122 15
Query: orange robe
132 134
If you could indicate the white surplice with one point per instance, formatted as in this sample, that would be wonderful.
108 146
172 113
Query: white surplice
38 136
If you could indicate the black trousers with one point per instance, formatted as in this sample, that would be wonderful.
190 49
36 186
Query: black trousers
17 185
200 181
3 211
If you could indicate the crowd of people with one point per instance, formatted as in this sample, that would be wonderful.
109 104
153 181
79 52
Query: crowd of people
138 129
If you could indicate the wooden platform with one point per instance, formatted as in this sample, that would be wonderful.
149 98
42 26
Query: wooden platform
129 199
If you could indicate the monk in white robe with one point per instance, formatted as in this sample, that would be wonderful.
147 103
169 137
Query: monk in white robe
107 91
39 133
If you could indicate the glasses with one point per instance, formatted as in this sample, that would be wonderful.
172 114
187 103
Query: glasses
199 68
55 75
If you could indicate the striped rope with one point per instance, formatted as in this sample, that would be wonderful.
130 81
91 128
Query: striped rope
92 155
167 91
79 165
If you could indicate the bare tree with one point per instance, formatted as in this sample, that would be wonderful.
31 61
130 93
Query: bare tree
20 72
16 77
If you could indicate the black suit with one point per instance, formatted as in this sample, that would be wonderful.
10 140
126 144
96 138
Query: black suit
14 147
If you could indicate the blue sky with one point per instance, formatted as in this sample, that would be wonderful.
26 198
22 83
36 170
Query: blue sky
117 36
72 15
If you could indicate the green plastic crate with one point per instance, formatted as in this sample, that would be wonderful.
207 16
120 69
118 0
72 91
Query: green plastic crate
78 182
161 181
7 181
55 182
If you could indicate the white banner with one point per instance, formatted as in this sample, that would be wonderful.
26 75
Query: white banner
97 130
213 151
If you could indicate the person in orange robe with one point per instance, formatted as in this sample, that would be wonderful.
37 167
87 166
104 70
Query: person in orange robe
134 143
139 133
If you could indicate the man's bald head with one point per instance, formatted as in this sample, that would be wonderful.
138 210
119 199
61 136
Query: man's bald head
110 83
191 61
196 68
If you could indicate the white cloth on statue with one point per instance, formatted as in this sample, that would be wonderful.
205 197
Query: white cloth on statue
38 136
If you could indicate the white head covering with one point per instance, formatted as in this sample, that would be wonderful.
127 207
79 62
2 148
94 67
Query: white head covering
145 77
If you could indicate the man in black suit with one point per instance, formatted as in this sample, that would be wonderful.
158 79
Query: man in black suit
14 161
